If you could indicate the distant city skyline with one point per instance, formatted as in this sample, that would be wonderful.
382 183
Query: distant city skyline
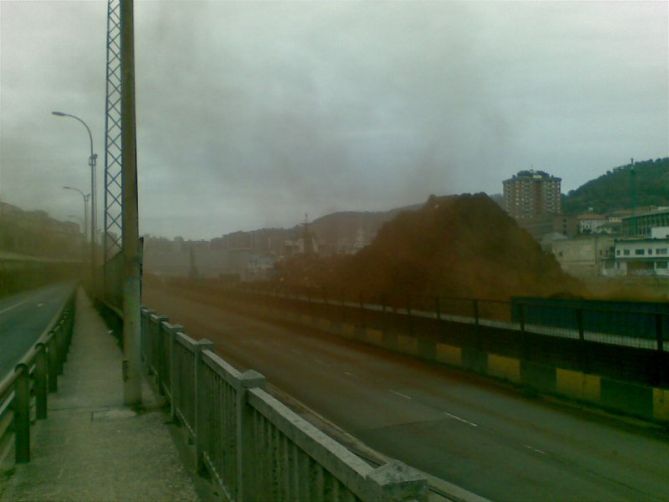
251 114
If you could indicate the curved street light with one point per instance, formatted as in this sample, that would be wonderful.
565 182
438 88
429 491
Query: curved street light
91 162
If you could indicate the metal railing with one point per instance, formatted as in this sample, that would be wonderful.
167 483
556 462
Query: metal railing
25 390
631 327
253 446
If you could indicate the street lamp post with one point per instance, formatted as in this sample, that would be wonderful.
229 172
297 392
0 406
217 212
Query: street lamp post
85 196
91 162
84 230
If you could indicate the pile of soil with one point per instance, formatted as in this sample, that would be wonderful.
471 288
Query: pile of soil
456 246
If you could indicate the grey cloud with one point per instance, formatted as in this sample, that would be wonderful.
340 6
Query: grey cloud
253 113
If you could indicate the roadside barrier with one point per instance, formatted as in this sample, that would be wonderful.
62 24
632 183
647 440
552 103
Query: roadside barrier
253 446
614 376
25 389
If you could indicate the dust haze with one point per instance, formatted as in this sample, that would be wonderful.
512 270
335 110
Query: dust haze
251 114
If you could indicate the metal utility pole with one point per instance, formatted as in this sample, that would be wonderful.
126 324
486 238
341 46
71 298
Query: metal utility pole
132 385
113 193
633 186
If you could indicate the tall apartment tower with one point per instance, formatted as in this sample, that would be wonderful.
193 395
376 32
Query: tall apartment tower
530 194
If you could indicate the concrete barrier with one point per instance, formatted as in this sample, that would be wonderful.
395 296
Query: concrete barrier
506 368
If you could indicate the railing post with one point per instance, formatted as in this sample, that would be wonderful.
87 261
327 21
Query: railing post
521 309
63 341
396 481
65 322
201 400
52 356
246 464
659 335
585 356
60 347
579 324
148 342
144 316
437 308
172 340
159 360
70 328
151 345
22 414
41 379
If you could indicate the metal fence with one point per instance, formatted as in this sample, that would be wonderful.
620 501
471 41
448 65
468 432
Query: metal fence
633 324
24 391
253 446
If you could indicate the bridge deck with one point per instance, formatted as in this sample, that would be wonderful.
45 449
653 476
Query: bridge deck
91 447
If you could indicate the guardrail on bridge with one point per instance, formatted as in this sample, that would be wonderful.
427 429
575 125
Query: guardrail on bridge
254 446
34 377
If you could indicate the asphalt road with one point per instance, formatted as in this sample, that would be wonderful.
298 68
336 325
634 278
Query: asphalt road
469 431
23 318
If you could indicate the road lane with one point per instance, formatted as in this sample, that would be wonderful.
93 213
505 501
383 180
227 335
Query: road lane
23 318
462 428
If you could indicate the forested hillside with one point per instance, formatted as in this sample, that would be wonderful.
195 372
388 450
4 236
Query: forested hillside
624 187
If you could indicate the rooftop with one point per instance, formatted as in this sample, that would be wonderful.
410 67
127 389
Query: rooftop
533 174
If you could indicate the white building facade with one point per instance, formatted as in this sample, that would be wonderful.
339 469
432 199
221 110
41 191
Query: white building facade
641 257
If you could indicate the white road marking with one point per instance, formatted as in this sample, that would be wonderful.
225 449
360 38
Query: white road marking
400 394
534 449
348 373
460 419
13 306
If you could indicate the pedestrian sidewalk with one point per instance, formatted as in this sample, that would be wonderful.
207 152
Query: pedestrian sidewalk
91 447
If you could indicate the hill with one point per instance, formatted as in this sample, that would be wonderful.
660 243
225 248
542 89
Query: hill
458 246
340 232
646 181
35 233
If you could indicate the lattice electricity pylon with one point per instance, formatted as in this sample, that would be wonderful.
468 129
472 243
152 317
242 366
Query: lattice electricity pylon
113 166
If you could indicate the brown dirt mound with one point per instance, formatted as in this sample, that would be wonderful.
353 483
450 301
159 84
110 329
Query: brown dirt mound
459 246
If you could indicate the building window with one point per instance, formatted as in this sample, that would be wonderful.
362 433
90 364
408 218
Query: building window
660 264
661 251
650 251
639 252
626 252
617 252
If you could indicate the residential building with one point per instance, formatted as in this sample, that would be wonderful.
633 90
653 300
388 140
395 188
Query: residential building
530 194
591 223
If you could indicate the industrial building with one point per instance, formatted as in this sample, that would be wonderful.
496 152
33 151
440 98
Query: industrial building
641 225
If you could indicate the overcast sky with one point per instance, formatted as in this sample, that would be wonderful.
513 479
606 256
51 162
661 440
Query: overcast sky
251 114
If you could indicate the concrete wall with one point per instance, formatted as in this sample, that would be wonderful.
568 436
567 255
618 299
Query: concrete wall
583 256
